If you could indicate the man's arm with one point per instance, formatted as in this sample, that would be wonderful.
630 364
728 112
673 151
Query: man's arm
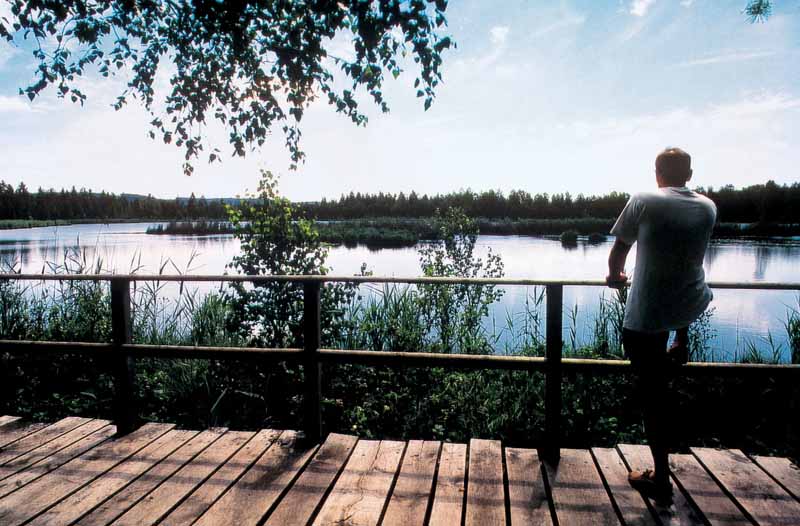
616 264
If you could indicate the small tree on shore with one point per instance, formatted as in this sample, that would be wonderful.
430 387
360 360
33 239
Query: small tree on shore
276 240
455 313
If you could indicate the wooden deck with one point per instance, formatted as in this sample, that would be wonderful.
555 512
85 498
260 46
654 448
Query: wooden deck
76 472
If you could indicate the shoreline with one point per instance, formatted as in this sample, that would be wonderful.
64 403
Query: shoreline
394 232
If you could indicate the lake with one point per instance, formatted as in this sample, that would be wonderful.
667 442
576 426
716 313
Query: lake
739 317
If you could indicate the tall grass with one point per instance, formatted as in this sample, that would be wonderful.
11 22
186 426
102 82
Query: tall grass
701 333
348 233
58 385
792 326
8 224
191 228
523 332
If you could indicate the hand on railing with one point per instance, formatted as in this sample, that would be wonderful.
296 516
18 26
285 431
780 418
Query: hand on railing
617 282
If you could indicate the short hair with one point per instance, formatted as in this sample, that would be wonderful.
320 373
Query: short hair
674 166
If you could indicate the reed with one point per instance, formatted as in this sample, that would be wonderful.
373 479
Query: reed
792 326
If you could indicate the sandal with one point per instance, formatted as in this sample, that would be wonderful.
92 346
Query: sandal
645 482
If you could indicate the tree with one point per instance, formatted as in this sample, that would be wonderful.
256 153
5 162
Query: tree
455 313
24 199
758 10
250 65
191 207
275 239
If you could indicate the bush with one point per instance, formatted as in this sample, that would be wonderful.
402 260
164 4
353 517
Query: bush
569 237
596 238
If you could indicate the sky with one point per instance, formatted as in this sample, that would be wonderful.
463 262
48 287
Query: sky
543 96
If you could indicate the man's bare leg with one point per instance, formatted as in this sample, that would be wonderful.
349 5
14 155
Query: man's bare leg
678 352
657 419
649 360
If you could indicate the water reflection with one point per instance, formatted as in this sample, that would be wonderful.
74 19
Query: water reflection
711 257
739 316
762 256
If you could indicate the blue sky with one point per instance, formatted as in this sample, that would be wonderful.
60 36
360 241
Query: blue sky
543 96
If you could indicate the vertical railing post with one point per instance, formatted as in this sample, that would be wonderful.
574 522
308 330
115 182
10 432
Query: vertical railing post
793 422
122 366
552 398
312 370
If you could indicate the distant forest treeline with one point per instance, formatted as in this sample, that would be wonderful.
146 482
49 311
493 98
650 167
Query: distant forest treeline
84 204
768 202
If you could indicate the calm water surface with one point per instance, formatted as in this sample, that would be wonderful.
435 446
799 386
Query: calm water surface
739 317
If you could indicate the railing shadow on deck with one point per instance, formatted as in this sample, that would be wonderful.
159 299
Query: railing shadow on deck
123 352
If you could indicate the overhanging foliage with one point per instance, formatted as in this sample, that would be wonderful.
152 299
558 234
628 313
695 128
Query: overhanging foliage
250 65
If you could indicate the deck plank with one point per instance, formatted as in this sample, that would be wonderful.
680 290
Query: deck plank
527 496
52 447
191 444
306 494
631 505
166 496
783 471
254 495
204 497
680 510
579 497
486 500
18 429
717 507
361 492
448 501
90 496
408 503
40 438
75 471
37 496
7 419
760 496
39 469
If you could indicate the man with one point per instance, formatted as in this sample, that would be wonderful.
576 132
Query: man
671 227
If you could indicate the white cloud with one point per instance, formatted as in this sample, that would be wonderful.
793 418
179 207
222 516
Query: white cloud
6 53
742 141
5 11
750 113
463 69
758 105
640 7
563 23
499 34
14 105
341 46
729 57
687 3
632 31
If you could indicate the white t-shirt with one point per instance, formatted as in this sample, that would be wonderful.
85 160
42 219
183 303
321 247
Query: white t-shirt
672 227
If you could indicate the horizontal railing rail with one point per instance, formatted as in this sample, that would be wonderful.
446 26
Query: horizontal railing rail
411 280
384 358
121 352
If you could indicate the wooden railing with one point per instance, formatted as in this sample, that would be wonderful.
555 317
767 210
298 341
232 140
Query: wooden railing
121 352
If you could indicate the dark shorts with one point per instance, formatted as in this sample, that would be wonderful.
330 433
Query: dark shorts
645 350
648 355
